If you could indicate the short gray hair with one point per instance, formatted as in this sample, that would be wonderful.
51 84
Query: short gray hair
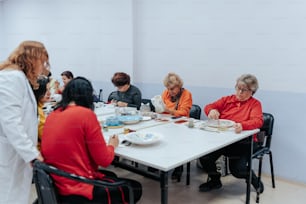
249 80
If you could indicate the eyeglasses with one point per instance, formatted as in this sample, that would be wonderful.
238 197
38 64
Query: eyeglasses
243 90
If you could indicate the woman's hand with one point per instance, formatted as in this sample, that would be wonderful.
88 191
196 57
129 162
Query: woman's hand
39 158
238 127
114 141
213 114
122 104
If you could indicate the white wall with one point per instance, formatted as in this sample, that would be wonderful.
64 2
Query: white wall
212 42
91 38
221 39
208 42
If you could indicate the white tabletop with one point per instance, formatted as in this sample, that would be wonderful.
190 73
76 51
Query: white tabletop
178 145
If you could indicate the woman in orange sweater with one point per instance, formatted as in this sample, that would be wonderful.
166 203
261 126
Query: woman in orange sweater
178 102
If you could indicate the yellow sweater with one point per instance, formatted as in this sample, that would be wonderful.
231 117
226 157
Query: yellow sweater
41 123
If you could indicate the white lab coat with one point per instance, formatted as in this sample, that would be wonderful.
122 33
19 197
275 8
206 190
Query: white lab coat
18 137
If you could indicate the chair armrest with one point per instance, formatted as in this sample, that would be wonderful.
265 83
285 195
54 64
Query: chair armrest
54 170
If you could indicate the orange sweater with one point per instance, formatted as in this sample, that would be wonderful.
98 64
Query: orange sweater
184 104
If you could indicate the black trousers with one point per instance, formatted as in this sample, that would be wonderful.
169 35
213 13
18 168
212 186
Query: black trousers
107 195
238 154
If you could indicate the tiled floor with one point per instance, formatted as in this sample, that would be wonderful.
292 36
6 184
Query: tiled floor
232 192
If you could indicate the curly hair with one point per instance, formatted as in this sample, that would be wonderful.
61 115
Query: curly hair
25 58
173 79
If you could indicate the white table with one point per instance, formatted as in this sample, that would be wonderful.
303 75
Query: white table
179 145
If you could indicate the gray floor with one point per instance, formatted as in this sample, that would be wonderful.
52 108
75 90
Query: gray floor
232 192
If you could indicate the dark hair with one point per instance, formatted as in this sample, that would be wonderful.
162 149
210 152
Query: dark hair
42 89
80 91
68 74
120 79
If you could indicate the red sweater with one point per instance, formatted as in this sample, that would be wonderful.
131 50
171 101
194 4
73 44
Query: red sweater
72 141
248 113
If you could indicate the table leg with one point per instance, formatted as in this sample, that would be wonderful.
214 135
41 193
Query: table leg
188 174
164 187
248 194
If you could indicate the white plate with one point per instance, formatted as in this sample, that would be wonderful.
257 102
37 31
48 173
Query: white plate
143 138
145 118
221 123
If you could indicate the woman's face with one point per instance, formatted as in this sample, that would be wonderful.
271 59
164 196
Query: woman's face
243 93
174 90
123 88
41 67
47 95
65 80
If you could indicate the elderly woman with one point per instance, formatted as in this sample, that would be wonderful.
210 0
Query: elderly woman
127 95
178 102
246 112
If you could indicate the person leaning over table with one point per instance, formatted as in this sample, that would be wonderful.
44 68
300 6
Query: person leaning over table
18 121
246 112
73 141
66 77
178 102
127 95
42 95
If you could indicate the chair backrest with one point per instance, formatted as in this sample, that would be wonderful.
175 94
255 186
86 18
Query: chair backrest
46 191
195 112
146 101
267 128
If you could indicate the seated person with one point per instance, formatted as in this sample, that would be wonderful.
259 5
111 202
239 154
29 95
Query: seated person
178 102
127 95
246 112
73 141
42 95
66 77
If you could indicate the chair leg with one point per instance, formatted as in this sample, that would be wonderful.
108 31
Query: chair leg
259 179
272 169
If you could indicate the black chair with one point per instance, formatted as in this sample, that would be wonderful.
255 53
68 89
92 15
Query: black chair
45 188
146 101
195 112
264 139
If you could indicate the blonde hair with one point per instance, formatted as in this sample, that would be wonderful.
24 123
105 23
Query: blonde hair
25 57
173 79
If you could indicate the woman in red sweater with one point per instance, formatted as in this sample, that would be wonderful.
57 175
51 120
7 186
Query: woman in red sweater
72 141
246 112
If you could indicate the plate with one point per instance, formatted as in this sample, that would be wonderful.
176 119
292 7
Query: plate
221 123
145 118
143 138
129 119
